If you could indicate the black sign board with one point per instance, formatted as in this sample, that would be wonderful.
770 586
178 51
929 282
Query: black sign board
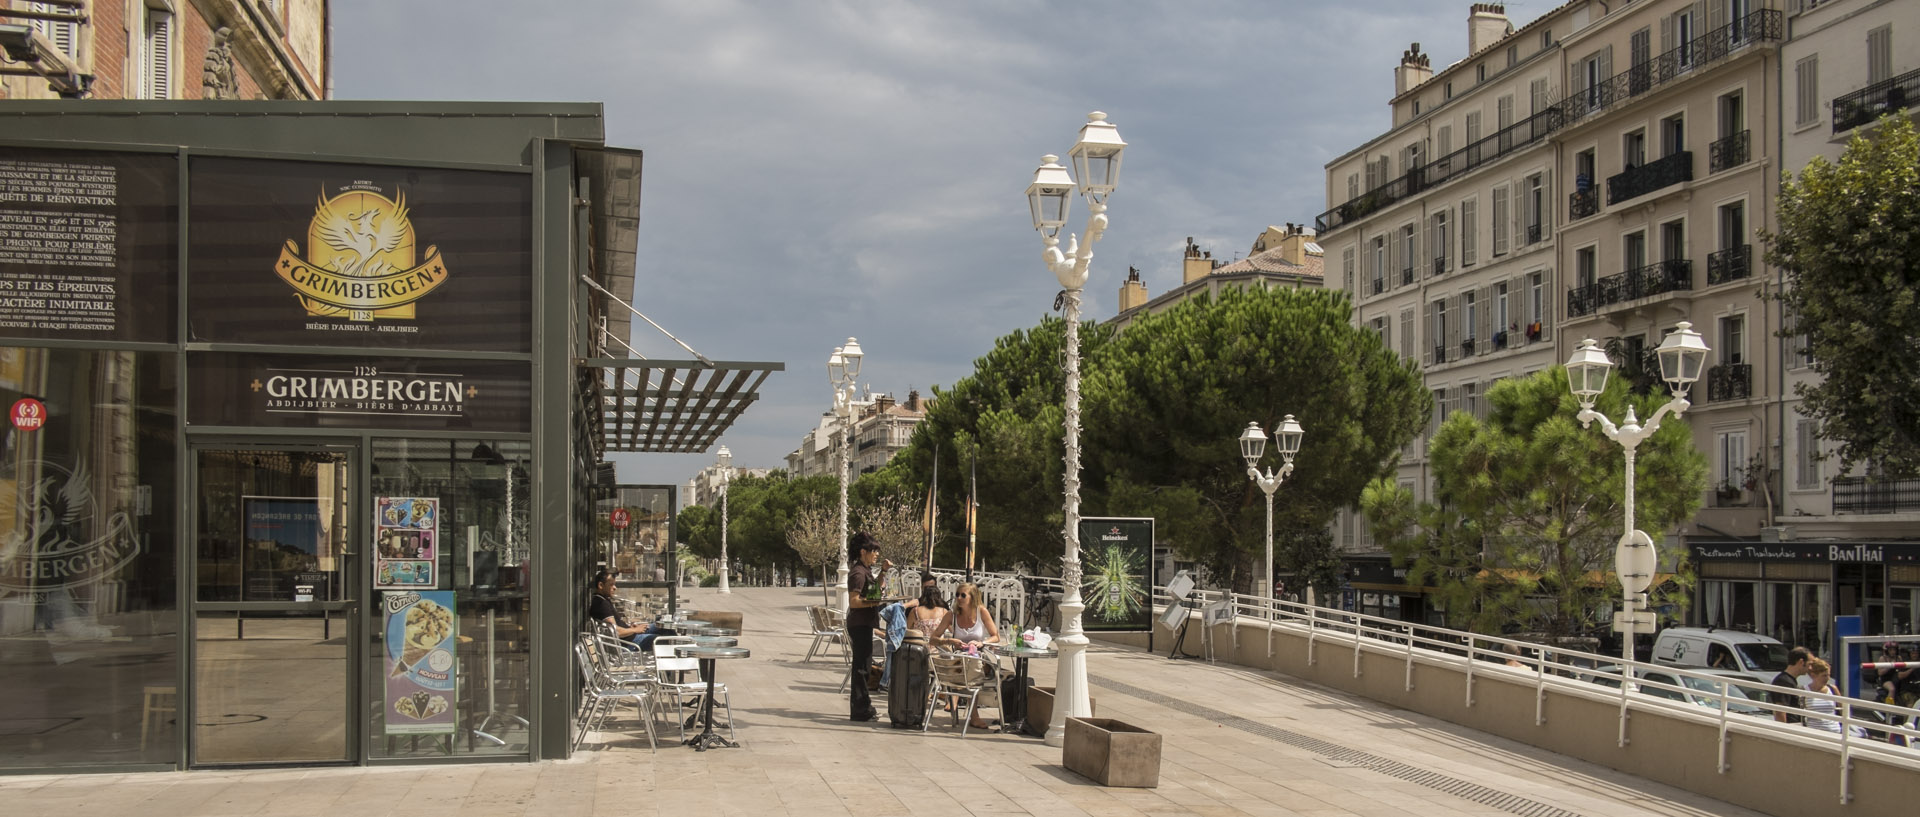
1116 562
314 253
88 244
315 391
1830 552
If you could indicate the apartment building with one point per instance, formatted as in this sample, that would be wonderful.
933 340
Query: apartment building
881 427
1443 230
165 49
1281 257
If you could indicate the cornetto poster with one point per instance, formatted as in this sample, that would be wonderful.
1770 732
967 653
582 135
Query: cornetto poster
88 244
312 253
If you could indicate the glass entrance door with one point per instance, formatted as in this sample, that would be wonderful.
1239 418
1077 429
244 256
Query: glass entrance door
275 605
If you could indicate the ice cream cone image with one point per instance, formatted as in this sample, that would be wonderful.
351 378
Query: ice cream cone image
428 624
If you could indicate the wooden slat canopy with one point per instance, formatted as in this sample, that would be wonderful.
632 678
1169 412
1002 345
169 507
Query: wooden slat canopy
671 406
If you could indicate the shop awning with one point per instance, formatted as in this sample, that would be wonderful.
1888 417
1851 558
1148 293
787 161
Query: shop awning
671 406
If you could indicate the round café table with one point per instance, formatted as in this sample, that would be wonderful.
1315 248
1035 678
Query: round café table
708 656
1020 652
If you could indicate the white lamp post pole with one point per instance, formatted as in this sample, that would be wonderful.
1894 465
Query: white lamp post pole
843 368
1682 354
1096 160
1253 444
726 480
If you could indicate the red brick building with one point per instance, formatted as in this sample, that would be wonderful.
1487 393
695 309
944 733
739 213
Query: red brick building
165 49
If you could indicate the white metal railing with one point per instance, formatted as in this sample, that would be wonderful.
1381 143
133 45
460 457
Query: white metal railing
1698 694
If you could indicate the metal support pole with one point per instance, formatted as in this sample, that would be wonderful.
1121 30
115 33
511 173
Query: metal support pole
843 405
725 483
1071 684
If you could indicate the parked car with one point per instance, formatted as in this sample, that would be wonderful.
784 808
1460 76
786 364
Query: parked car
1755 656
1741 693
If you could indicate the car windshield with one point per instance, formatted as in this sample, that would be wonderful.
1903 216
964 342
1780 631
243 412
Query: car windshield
1769 657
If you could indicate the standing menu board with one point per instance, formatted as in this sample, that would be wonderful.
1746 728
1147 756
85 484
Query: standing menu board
405 547
1116 558
89 244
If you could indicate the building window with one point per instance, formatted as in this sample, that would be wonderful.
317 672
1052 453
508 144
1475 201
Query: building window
1440 330
1733 339
1406 334
1470 399
1480 72
1585 267
1470 307
1353 186
1546 38
1731 460
1379 264
159 54
1449 90
1683 36
1806 455
1513 55
1346 267
1503 112
1733 225
1673 240
63 34
1469 233
1633 250
1446 141
1473 127
1533 208
1673 134
1502 314
1537 96
1633 149
1806 82
1409 250
1733 114
1537 286
1440 241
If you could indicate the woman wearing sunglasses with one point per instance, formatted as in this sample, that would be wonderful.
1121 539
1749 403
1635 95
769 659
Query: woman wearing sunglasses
970 625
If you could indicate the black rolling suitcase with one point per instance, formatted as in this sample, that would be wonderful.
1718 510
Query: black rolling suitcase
908 688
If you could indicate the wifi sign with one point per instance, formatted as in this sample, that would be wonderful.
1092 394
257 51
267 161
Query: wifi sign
29 414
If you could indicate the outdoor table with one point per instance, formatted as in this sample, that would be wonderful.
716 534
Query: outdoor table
703 628
708 739
715 641
1020 652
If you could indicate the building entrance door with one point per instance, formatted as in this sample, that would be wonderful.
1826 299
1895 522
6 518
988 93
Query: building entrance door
275 605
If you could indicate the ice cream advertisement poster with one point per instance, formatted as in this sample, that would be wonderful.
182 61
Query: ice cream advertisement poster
405 540
423 679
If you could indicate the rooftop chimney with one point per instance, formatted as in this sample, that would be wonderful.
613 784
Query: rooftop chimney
913 399
1198 264
1486 25
1293 247
1133 291
1414 69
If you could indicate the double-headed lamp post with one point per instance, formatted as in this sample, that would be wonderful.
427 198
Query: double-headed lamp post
1682 354
726 478
1096 162
1253 445
843 368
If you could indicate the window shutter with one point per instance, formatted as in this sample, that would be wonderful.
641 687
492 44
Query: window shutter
1537 96
1504 112
1500 221
1413 262
1515 227
1606 64
58 32
1406 333
1516 289
1716 14
1453 326
1547 304
1666 34
1546 204
1879 54
1469 232
1486 321
1446 140
1426 349
159 55
1473 127
1346 266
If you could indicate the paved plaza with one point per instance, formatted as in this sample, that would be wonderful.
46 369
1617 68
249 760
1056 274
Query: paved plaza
1237 742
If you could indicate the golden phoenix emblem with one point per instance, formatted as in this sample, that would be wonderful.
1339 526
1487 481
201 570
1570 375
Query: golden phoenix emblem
361 259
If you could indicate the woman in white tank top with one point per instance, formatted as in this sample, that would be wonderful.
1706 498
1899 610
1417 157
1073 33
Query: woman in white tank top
970 623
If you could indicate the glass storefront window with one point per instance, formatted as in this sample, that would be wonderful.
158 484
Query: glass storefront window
477 500
88 605
1800 614
1727 604
633 537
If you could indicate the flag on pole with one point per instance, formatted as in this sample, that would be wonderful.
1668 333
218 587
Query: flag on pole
973 506
930 519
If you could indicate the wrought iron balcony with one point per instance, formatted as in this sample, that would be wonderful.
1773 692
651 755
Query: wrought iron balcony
1764 26
1440 265
1582 203
1532 234
1645 282
1406 276
1728 152
1466 346
1867 104
1654 175
1440 353
1500 340
1513 138
1379 285
1729 381
1730 264
1866 495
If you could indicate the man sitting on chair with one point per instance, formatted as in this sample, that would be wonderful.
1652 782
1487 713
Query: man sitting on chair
601 610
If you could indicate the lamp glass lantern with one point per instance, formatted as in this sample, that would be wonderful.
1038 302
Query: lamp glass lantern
1587 372
1289 435
726 458
1096 157
852 354
1682 354
836 367
1048 195
1253 444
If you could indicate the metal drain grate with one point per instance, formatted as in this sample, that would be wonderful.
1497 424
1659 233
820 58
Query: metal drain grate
1473 792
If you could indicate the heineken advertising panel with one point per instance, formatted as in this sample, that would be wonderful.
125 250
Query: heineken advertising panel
88 244
1116 560
325 391
313 253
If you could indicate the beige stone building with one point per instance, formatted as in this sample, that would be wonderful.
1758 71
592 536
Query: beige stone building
881 427
165 49
1281 257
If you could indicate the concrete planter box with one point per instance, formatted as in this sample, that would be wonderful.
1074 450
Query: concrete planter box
1112 753
1040 710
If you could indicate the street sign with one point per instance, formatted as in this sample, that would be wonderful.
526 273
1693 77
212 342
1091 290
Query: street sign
1634 560
620 518
1642 621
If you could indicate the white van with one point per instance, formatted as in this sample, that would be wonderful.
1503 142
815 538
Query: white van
1755 656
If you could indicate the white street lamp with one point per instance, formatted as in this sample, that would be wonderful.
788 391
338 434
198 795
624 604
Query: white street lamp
1096 156
726 479
843 368
1253 444
1681 354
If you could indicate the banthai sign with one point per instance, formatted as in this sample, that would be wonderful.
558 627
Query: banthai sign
1832 552
359 255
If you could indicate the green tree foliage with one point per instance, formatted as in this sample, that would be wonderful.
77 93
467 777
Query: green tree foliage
760 512
1530 508
1168 399
1849 241
1008 414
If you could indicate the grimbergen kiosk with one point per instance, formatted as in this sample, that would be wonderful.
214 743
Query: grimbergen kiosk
308 410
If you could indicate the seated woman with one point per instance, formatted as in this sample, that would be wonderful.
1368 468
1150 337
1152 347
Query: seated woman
970 625
928 613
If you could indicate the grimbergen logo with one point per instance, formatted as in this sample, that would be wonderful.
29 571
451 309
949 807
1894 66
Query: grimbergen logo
54 539
361 261
362 390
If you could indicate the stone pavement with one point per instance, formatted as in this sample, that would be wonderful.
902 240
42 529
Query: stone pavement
1237 742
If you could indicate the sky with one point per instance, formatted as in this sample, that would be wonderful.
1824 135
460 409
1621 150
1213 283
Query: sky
824 169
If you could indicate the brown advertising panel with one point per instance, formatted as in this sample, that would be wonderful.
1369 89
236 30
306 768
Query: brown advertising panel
314 253
88 244
314 391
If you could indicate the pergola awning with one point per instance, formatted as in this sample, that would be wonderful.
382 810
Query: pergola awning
671 406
